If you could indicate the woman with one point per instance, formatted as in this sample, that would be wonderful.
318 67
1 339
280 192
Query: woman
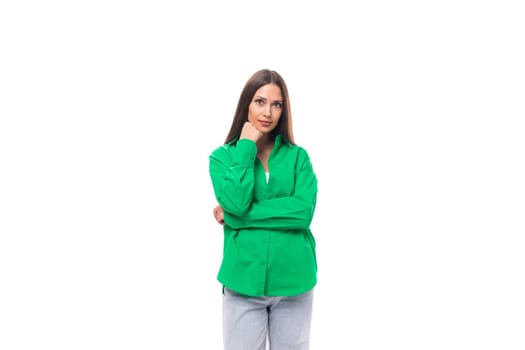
266 189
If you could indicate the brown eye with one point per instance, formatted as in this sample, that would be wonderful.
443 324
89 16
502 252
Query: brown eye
259 102
278 105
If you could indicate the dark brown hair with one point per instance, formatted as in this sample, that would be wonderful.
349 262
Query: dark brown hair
256 81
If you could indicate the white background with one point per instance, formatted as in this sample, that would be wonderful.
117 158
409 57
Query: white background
412 113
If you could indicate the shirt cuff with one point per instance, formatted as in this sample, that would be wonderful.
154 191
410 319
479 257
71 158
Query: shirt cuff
245 152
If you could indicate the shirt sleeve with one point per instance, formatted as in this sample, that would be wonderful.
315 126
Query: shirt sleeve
292 212
232 176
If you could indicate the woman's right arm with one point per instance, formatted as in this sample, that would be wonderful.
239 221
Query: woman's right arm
232 176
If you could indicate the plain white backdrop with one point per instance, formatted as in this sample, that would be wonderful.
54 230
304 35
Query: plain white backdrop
412 113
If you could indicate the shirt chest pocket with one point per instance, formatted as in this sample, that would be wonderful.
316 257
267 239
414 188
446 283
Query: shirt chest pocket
281 183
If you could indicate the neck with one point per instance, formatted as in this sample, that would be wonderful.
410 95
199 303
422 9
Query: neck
265 140
265 144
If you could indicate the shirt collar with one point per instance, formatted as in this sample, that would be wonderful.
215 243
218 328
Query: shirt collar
278 141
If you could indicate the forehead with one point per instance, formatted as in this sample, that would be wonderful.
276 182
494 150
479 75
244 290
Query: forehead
270 92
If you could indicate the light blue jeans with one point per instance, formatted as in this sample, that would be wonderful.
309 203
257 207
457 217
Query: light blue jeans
249 323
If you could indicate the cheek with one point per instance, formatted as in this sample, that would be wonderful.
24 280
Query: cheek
252 113
278 117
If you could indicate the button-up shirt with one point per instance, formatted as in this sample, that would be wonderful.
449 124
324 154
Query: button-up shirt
269 249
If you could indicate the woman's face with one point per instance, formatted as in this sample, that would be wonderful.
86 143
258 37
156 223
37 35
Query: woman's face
265 108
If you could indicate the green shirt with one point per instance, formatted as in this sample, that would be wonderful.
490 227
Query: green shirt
269 249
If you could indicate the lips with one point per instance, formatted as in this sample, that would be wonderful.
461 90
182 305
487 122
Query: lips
265 123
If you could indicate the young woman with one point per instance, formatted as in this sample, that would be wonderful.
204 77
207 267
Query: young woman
266 189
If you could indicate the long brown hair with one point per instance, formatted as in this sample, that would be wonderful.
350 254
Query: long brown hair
258 79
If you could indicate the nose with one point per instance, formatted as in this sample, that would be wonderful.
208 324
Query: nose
268 110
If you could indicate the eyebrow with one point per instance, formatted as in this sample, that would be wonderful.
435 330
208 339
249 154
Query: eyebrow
264 98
